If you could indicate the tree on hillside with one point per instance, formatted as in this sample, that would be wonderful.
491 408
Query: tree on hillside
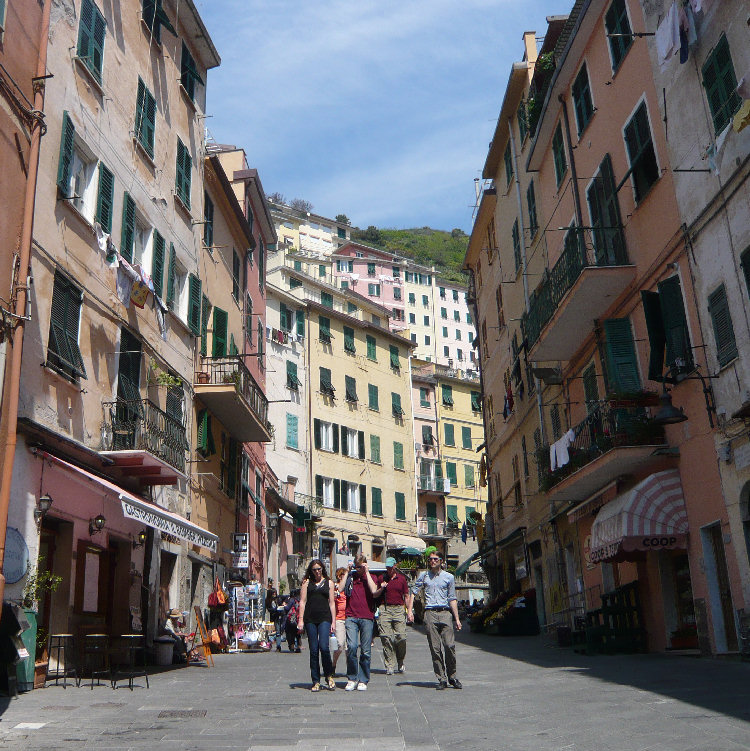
371 235
300 204
343 219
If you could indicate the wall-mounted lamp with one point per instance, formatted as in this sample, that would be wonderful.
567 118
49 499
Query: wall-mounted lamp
43 505
140 539
97 524
668 414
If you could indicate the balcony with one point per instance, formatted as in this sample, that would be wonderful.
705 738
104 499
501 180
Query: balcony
580 288
429 484
144 442
226 387
610 442
312 503
427 527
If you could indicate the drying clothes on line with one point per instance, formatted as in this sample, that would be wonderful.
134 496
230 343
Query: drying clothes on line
126 277
559 455
161 315
104 241
269 333
701 6
141 287
668 34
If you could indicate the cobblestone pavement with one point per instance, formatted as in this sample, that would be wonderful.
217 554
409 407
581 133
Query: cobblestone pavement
519 694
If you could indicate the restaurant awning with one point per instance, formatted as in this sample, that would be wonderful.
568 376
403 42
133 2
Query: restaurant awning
649 516
398 542
141 510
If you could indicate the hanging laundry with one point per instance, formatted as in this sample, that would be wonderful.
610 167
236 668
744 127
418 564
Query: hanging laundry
509 397
701 6
562 456
668 35
683 36
141 287
126 277
553 457
463 533
742 118
161 316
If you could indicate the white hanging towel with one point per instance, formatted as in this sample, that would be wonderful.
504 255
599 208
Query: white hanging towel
668 34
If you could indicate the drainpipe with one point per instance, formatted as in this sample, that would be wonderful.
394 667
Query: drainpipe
21 293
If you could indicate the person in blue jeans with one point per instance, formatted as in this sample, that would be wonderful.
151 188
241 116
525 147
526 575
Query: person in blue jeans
361 590
317 613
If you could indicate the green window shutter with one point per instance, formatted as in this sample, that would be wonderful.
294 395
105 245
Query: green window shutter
292 381
291 431
720 83
324 327
745 264
375 449
363 499
558 153
67 141
396 404
208 220
171 277
221 319
516 238
157 264
145 118
452 514
476 401
400 507
604 207
335 429
618 31
450 473
398 455
235 275
361 443
337 494
621 359
350 389
206 445
656 335
427 435
522 117
465 437
531 203
183 170
424 396
450 439
91 32
508 164
590 387
319 487
105 198
326 299
718 307
372 396
300 323
194 304
321 270
372 353
583 104
316 433
679 354
468 475
349 340
189 75
447 392
128 227
438 470
376 501
283 317
394 357
205 311
232 346
294 283
641 152
63 352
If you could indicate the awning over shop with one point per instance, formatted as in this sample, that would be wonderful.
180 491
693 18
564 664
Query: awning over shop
141 510
650 516
410 551
398 542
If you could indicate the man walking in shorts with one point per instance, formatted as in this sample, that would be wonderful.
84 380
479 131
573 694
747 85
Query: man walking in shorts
392 620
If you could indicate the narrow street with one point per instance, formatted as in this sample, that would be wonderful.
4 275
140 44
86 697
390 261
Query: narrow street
519 694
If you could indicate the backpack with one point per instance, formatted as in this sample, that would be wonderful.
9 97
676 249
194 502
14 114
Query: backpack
292 617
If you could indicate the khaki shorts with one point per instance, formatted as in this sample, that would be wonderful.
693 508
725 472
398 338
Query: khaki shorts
341 634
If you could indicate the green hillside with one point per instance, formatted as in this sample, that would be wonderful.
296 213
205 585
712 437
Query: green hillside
429 247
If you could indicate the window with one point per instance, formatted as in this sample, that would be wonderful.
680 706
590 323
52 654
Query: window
221 320
721 318
206 446
456 315
349 340
155 18
469 319
397 293
508 164
300 316
523 121
582 102
321 270
326 436
442 292
372 352
412 318
145 118
445 332
292 381
285 317
466 437
443 312
376 501
205 313
326 299
352 443
324 489
194 304
458 335
449 437
370 269
63 352
424 396
427 438
396 272
400 507
373 290
455 295
375 449
412 297
292 440
425 301
558 154
516 238
476 401
720 83
91 32
77 172
446 351
409 276
189 75
208 220
618 32
622 364
294 283
326 386
236 275
427 340
396 405
398 455
324 329
157 264
459 355
297 265
641 155
531 203
184 173
414 338
350 387
590 388
447 395
351 308
395 364
609 245
427 320
372 397
347 266
450 473
352 496
468 475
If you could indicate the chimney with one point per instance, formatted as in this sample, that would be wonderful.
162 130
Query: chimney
529 42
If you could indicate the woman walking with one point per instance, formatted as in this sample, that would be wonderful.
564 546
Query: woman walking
317 613
340 597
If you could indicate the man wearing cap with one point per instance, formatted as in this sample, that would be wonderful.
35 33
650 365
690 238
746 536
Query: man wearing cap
392 620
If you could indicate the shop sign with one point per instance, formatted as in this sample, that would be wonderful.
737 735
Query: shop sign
16 562
240 550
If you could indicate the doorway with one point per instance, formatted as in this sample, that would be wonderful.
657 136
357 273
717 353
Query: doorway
719 590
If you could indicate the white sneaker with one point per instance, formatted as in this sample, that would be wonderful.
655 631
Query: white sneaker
362 687
350 685
402 669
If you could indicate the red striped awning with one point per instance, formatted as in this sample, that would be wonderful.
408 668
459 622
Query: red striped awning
649 516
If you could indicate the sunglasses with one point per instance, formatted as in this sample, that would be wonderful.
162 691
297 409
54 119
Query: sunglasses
317 569
433 559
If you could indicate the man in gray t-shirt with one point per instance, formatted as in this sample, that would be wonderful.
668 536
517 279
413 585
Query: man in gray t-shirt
441 612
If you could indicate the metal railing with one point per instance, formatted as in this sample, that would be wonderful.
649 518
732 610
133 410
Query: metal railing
583 248
428 526
141 425
435 484
232 369
603 429
311 502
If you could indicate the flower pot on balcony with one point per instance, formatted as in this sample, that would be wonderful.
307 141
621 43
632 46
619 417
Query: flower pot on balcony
203 377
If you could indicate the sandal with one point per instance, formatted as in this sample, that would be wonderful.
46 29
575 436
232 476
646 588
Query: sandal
315 687
331 683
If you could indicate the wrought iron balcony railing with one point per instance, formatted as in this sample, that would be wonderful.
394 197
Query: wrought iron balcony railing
232 369
434 484
142 426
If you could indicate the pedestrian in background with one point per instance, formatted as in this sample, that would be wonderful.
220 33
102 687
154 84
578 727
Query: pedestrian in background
270 599
392 620
361 590
340 627
317 614
289 622
441 613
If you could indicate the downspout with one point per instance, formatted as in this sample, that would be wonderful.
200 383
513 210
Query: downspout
20 294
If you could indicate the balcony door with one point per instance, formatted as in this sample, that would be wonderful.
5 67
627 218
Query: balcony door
431 515
129 409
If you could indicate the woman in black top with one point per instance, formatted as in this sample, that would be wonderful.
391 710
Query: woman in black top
317 613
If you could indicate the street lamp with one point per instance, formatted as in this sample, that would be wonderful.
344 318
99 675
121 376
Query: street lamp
97 524
43 505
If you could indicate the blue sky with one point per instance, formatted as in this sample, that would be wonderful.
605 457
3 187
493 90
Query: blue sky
382 111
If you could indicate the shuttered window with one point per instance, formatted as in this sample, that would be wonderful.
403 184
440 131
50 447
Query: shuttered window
476 401
91 32
516 238
67 143
469 475
206 446
621 359
145 118
208 220
189 75
720 83
447 392
449 434
396 404
609 242
372 350
375 449
292 381
726 345
324 328
376 501
171 277
183 167
523 121
129 369
194 304
326 299
292 440
394 357
590 388
465 437
105 198
450 473
127 235
400 506
63 352
372 397
285 318
221 319
155 18
205 312
157 264
300 316
558 155
236 271
424 396
641 154
618 32
531 203
582 102
507 158
427 435
325 382
349 340
398 455
350 387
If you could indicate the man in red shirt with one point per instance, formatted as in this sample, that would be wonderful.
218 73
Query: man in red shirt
392 620
360 589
